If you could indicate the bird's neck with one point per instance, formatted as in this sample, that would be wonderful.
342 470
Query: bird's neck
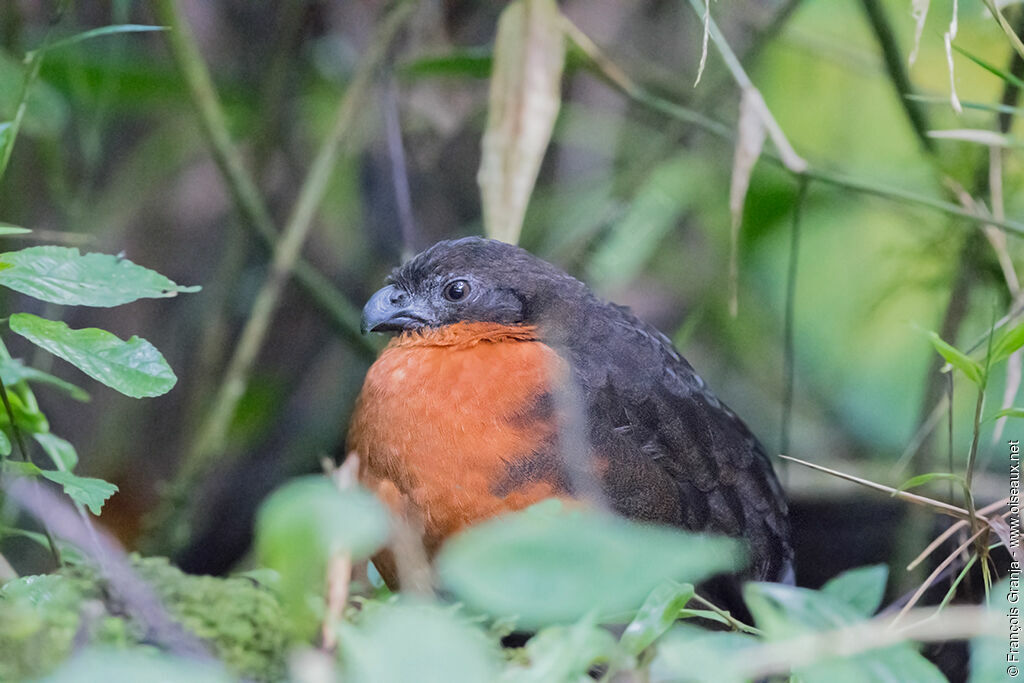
464 334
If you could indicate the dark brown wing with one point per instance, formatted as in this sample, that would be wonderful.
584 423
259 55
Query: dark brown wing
674 452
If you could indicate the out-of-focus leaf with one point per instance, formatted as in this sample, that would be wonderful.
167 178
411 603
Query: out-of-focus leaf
689 653
87 491
46 109
8 229
1008 341
1008 412
61 452
304 523
657 615
63 275
862 588
546 566
957 358
13 371
133 367
5 444
922 479
787 611
654 211
132 666
525 95
464 63
101 31
749 143
26 414
410 642
565 653
989 653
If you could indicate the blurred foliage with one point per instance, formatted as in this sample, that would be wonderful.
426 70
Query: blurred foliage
102 152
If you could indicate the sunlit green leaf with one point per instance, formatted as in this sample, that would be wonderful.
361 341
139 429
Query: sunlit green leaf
1008 77
659 611
465 63
7 229
545 565
862 588
133 367
1008 412
87 491
957 358
411 642
1008 341
63 275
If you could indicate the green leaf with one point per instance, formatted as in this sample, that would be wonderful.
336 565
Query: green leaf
8 229
1008 77
63 275
61 452
957 358
95 33
1007 412
87 491
656 616
471 62
1008 341
862 588
133 367
133 665
547 566
303 524
565 653
13 371
783 612
5 444
415 642
688 653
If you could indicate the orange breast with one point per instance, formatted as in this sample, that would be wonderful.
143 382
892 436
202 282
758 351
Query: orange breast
443 414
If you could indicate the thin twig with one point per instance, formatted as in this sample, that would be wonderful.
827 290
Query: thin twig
209 445
343 316
399 170
788 322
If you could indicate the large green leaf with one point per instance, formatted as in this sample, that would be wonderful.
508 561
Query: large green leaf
60 451
62 275
412 642
133 367
689 653
304 523
13 371
566 653
958 359
545 565
131 666
783 612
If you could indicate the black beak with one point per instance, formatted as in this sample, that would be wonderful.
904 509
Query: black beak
391 310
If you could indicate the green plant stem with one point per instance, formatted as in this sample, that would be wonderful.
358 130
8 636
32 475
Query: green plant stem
210 444
343 316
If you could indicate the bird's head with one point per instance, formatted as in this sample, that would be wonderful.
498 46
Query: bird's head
470 280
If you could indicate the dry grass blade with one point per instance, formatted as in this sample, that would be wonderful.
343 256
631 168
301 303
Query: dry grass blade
525 96
919 11
936 573
952 529
957 622
937 505
704 42
339 567
749 143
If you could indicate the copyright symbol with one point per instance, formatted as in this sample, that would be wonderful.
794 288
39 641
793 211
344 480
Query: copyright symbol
1012 670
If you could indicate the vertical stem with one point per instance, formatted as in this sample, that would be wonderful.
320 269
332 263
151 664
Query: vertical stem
788 372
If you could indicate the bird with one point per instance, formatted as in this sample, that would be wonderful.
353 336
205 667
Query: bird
508 381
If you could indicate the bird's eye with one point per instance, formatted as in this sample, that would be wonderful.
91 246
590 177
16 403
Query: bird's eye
456 290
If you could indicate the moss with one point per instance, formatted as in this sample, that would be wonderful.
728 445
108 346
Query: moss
42 617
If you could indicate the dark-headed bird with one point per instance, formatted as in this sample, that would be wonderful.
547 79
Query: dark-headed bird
509 382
